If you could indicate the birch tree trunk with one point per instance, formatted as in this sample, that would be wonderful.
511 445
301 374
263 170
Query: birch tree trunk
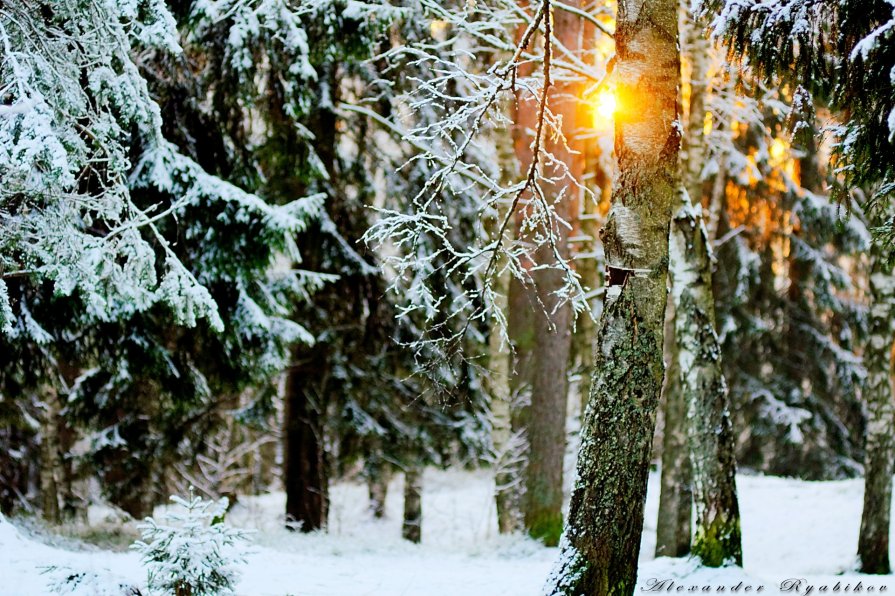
674 524
412 527
717 538
676 499
873 541
599 550
508 447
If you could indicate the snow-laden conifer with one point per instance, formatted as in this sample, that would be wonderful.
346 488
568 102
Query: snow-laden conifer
195 553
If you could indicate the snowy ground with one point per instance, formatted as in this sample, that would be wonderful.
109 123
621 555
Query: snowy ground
791 529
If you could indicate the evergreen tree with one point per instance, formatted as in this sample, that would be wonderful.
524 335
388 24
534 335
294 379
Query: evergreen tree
785 288
166 302
841 51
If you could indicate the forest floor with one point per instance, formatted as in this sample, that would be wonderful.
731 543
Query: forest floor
791 529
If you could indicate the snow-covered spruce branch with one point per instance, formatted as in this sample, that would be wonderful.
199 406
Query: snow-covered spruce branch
68 198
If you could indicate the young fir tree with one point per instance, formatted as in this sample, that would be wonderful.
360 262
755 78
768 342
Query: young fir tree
599 549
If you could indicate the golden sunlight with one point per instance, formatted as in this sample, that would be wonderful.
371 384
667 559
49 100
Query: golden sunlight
605 103
778 149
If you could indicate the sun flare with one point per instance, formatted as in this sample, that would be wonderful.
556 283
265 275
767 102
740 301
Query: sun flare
605 105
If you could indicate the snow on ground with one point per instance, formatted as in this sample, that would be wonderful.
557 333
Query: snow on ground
791 529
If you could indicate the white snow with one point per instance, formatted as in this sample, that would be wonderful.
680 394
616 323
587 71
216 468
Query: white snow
791 529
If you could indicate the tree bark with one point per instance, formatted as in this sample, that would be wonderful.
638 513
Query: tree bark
51 459
378 476
508 446
601 544
676 497
520 323
305 478
543 497
717 538
873 541
412 527
507 441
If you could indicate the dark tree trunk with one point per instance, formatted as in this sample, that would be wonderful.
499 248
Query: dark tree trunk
50 459
378 476
552 324
601 544
305 477
879 465
412 527
547 414
676 496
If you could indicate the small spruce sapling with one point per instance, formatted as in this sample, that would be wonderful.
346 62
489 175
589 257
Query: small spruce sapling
197 555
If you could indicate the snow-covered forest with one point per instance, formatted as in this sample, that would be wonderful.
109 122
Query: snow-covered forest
336 297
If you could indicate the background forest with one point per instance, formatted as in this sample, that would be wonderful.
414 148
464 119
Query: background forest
298 254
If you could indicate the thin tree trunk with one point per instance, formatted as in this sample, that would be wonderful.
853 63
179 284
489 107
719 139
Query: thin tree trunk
412 527
587 265
701 418
676 497
520 328
717 538
508 446
305 479
873 541
378 476
601 544
547 415
51 464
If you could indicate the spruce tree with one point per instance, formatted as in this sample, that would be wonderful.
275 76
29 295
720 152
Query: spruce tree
161 301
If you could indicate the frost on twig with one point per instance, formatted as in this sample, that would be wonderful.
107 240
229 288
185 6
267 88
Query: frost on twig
476 214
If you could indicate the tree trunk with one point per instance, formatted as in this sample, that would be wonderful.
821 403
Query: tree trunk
378 476
587 265
305 479
676 496
602 540
520 328
547 415
507 441
508 446
702 419
717 538
543 497
51 461
873 542
412 527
